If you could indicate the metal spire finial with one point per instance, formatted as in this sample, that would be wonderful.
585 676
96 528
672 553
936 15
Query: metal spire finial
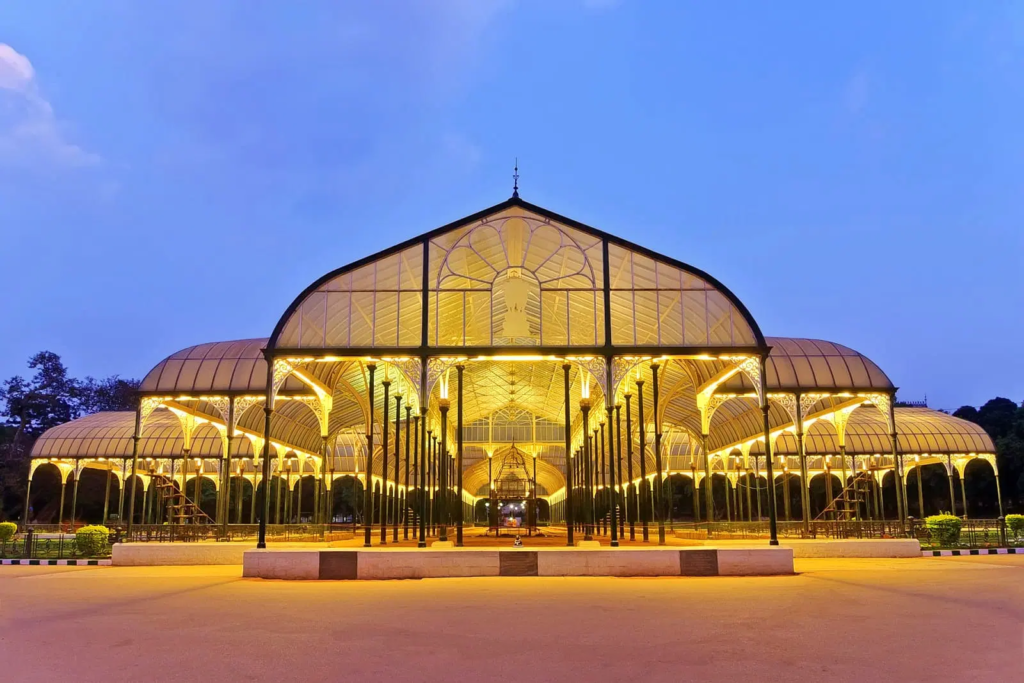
515 180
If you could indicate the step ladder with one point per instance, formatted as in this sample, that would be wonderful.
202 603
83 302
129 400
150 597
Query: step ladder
180 509
846 504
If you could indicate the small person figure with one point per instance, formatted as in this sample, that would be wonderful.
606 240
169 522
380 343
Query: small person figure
518 542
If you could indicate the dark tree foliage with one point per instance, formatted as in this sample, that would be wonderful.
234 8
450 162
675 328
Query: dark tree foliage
50 397
1004 421
112 393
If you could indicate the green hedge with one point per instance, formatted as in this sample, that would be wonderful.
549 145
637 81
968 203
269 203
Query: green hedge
91 540
7 531
1015 525
943 529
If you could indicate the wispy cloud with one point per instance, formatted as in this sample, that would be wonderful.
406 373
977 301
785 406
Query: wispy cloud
31 136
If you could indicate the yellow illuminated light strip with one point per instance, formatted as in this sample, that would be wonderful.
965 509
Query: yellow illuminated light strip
778 431
240 430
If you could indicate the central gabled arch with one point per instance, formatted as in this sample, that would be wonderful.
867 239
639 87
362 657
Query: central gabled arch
450 288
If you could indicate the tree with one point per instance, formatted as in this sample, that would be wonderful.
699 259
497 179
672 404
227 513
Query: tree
1004 421
112 393
30 407
51 397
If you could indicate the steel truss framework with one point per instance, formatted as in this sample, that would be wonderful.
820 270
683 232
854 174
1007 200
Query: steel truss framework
522 323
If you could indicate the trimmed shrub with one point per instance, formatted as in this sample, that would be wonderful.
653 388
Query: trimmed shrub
1014 523
91 540
7 531
943 529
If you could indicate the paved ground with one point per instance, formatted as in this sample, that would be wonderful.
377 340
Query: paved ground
846 620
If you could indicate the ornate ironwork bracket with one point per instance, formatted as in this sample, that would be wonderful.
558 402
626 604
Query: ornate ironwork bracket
596 367
622 366
187 420
411 370
321 407
884 403
146 407
707 404
437 367
751 367
242 404
223 406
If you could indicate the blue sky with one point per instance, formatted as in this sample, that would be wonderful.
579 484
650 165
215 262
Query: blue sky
176 172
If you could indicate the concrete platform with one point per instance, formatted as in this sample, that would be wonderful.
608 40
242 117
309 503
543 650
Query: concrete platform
831 548
165 554
854 547
380 563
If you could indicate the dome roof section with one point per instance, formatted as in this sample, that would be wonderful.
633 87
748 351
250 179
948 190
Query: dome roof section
231 367
814 365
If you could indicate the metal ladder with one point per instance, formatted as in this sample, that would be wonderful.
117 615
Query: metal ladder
180 509
845 505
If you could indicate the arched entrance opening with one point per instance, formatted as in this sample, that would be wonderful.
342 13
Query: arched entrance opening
980 485
512 494
681 492
347 500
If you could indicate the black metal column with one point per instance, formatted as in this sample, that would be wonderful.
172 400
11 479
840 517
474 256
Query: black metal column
384 463
421 470
268 411
599 461
773 522
610 489
588 529
135 466
621 496
395 499
659 490
642 428
408 487
630 489
368 488
443 472
460 521
569 479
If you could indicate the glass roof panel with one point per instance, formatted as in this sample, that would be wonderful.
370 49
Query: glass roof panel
513 255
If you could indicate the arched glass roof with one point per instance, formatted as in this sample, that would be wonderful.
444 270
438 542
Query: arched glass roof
217 367
813 364
109 435
919 431
516 275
